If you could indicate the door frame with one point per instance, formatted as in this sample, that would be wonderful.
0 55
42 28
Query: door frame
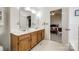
65 17
50 18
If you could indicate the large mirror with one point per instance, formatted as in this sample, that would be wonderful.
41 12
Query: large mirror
28 18
2 17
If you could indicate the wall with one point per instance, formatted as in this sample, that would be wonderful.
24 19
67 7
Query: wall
4 37
14 18
74 26
56 19
46 19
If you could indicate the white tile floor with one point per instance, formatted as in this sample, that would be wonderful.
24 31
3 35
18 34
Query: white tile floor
56 37
48 45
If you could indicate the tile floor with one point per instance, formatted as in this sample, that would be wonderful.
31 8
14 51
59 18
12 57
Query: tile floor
49 45
56 37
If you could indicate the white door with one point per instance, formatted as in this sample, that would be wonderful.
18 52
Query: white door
74 26
65 23
70 26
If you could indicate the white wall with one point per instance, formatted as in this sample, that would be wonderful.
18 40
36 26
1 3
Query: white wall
46 18
14 18
4 37
56 19
74 26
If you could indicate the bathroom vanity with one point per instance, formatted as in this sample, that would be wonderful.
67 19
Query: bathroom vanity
25 41
27 31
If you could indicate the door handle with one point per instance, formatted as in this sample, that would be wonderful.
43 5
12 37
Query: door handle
67 29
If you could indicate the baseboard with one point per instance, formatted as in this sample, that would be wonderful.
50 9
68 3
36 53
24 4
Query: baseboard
70 47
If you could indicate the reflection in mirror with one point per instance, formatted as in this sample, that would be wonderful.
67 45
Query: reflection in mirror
29 21
2 17
28 18
24 19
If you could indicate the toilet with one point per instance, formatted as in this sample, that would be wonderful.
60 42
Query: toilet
1 48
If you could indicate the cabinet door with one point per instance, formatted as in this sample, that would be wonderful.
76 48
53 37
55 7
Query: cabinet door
14 42
24 44
43 34
39 36
33 39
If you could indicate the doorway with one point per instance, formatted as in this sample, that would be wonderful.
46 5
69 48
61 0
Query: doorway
56 25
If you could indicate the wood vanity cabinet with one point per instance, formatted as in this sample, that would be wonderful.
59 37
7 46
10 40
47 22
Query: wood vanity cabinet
39 36
14 42
33 39
20 43
26 41
43 34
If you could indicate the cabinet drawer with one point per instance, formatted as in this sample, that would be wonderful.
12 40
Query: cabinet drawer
24 37
39 35
39 32
27 36
43 33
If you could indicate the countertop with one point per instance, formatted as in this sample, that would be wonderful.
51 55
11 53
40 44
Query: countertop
20 32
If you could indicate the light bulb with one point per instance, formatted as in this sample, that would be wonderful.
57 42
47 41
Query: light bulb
33 11
38 14
27 9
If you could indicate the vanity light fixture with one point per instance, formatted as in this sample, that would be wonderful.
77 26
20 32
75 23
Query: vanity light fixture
53 13
30 9
27 9
39 14
33 11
